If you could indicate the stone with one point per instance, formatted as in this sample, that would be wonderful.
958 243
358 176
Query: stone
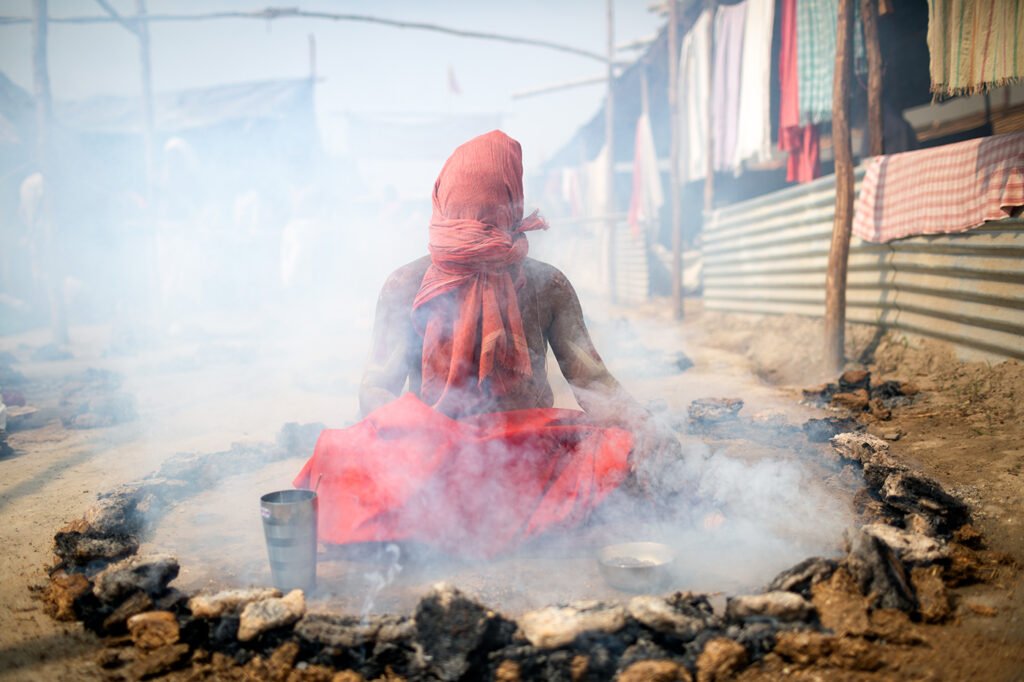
269 614
892 434
133 605
854 653
720 660
880 411
913 548
787 607
932 596
145 573
803 647
855 379
78 544
665 617
282 661
840 605
871 452
508 671
819 395
654 671
879 573
557 626
63 592
230 602
159 661
345 632
710 410
454 631
803 576
153 629
821 430
855 401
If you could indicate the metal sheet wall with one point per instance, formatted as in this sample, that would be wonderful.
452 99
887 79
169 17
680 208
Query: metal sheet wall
769 255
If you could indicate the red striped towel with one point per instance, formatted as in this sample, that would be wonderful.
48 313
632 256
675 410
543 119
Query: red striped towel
941 190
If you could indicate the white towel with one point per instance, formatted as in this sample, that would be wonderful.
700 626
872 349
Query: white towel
694 92
647 197
753 137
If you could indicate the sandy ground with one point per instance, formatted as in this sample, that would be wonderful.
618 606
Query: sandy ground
208 390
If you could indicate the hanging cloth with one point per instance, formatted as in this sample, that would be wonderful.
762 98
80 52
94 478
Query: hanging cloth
694 90
753 128
730 21
975 44
647 197
816 56
800 141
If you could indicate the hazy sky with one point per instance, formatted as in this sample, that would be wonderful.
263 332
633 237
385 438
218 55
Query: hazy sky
366 68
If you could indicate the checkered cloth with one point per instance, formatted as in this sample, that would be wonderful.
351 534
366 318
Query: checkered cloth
941 190
816 56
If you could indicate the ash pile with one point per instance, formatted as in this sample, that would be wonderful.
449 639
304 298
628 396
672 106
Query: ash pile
915 543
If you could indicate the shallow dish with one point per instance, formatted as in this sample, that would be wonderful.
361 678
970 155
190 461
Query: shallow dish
636 566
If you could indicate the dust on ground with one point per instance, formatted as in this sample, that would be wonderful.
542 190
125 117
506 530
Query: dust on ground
964 429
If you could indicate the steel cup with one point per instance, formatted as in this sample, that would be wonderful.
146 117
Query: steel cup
290 525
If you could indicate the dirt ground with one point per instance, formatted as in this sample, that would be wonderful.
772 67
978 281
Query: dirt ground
213 388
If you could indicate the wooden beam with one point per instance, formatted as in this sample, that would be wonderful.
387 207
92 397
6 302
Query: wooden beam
709 179
44 221
148 115
839 250
869 18
673 176
609 140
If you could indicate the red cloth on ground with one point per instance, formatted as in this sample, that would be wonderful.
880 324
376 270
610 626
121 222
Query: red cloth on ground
800 141
477 247
473 487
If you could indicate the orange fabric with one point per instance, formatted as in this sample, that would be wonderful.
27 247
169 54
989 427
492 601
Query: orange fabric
467 308
473 487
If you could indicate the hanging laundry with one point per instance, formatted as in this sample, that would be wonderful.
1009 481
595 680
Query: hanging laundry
694 90
816 56
753 128
595 184
801 141
572 191
945 189
975 44
647 196
730 21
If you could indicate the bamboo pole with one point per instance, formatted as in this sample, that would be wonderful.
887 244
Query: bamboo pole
673 176
869 18
44 221
609 140
839 251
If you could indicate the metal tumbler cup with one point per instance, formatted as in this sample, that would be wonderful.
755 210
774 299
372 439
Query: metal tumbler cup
289 524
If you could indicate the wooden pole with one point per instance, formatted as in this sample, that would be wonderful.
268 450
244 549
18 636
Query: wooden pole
673 176
44 221
869 18
709 180
839 251
148 116
609 141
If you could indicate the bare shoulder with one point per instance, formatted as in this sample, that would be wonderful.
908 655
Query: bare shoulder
550 282
404 282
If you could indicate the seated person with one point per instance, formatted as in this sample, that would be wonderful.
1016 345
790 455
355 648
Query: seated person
474 459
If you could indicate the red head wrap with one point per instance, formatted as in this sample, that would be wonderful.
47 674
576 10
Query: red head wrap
477 248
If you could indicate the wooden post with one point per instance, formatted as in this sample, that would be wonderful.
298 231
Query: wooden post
839 251
869 18
44 221
709 180
673 176
148 124
609 140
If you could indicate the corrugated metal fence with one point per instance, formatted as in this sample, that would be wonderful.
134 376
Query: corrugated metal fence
769 255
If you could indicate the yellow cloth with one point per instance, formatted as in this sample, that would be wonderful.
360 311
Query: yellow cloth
975 44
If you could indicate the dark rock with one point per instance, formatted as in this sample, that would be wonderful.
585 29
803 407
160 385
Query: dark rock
918 494
820 395
879 573
149 574
855 379
880 411
133 605
803 576
711 410
822 430
76 548
224 632
855 401
680 361
456 632
346 632
871 452
758 637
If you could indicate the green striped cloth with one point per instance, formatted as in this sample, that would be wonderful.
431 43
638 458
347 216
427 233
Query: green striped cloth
816 56
975 44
